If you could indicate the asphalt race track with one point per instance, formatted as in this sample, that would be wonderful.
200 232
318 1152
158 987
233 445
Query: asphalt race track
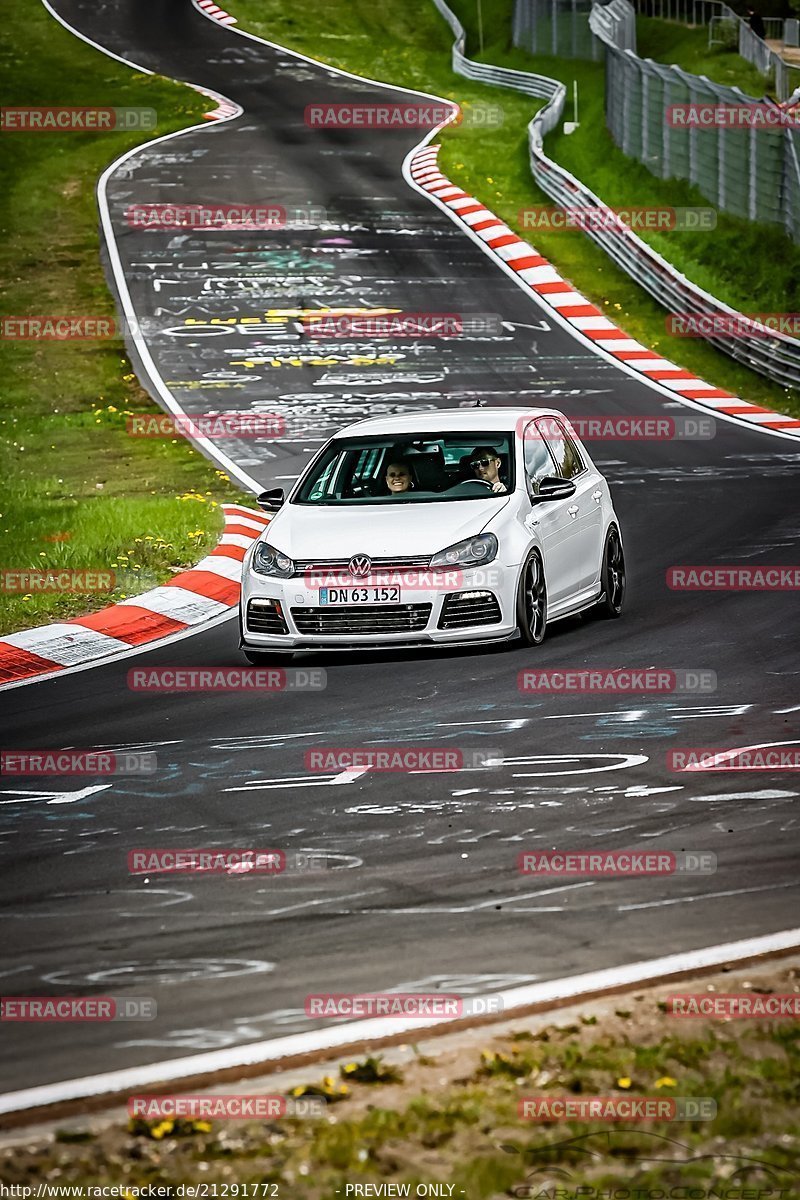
422 889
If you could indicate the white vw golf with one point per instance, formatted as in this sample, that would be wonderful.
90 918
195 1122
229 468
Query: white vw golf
441 528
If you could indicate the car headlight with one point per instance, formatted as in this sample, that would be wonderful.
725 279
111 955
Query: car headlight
269 561
472 552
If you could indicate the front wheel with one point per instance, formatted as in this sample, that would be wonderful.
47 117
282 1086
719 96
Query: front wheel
532 602
613 576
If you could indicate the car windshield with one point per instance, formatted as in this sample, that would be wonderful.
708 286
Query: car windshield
405 469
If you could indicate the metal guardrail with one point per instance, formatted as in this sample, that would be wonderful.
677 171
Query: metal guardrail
752 48
701 12
745 172
691 12
775 28
777 358
520 81
614 24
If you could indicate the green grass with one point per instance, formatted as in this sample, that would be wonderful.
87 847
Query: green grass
75 489
458 1122
755 268
687 46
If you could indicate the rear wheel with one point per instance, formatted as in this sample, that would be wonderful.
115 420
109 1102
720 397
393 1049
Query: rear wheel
613 576
532 602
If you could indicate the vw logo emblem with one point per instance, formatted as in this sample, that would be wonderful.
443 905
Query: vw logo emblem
360 564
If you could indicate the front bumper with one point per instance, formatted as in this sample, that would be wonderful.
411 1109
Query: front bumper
441 609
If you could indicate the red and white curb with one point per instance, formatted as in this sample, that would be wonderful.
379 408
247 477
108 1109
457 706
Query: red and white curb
191 598
225 110
213 10
543 279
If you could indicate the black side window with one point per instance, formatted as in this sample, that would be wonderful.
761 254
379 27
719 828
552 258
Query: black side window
538 460
564 451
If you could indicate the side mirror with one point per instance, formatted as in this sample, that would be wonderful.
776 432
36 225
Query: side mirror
553 488
272 500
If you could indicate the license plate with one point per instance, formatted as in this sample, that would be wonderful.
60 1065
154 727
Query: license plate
359 595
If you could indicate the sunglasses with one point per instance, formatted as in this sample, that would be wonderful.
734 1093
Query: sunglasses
481 462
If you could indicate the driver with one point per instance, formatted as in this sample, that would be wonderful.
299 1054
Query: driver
398 477
484 461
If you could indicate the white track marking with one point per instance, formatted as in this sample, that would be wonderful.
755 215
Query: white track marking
27 797
206 445
570 761
16 970
277 912
767 887
551 311
712 762
761 794
348 776
95 45
169 401
327 1042
495 900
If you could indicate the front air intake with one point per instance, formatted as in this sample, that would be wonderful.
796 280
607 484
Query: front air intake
462 609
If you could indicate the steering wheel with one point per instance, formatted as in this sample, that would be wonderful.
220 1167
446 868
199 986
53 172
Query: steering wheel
468 483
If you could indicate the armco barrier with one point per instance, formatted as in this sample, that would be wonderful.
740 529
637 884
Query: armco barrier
777 358
520 81
718 16
749 173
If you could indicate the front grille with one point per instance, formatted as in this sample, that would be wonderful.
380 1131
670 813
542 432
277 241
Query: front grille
359 618
342 565
469 608
266 616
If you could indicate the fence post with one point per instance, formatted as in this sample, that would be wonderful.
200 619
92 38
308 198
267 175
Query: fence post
626 105
645 112
666 158
692 142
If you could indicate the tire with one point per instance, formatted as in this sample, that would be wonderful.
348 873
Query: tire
612 576
532 602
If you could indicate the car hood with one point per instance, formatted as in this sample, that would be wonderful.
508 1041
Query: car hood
311 533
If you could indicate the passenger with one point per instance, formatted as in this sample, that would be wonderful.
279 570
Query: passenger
398 477
485 463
